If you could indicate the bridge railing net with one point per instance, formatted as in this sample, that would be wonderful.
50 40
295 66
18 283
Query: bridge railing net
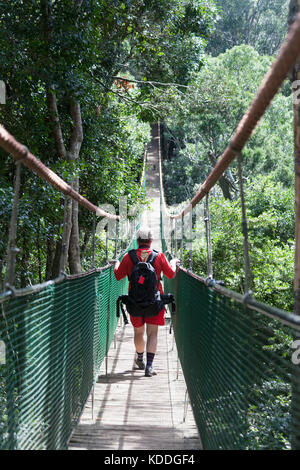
237 366
241 372
55 342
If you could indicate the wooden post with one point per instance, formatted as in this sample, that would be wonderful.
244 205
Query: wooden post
294 8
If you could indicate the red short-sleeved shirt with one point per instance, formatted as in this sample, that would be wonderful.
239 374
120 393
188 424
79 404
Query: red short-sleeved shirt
161 266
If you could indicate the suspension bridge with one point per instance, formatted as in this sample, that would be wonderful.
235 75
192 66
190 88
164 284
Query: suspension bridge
226 379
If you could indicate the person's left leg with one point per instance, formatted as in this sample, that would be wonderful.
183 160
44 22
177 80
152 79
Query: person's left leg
151 331
151 346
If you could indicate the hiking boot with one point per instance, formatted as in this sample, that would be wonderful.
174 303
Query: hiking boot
149 372
140 363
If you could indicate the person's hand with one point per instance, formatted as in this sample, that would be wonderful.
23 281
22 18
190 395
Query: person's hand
175 263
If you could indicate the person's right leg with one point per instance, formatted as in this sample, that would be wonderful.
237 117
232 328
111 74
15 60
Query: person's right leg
151 346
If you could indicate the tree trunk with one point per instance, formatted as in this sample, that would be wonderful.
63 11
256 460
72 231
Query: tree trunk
56 260
86 240
74 250
226 182
24 264
67 227
50 258
38 245
73 154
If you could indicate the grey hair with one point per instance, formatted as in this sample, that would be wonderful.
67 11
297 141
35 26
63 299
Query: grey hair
144 234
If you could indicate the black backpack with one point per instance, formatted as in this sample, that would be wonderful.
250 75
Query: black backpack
144 298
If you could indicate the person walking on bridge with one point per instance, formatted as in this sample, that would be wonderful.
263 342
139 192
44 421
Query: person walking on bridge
161 266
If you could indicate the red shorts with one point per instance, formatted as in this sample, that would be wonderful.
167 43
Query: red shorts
159 319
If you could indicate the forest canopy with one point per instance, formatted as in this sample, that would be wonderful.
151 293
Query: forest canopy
59 61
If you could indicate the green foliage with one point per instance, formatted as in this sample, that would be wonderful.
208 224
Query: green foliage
269 420
259 23
208 114
271 237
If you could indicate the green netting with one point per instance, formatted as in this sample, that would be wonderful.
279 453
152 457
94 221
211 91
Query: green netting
243 383
238 369
55 341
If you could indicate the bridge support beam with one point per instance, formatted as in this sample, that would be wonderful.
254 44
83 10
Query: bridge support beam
295 76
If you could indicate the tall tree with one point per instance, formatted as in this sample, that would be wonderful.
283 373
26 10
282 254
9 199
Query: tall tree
258 23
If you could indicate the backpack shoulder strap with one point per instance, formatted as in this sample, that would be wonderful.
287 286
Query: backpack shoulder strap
152 256
133 256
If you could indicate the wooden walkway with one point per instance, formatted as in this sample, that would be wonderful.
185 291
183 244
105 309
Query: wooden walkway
134 412
128 411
